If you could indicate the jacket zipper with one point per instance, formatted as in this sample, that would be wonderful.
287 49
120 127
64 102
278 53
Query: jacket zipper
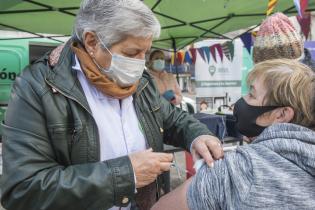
145 85
139 114
72 98
158 195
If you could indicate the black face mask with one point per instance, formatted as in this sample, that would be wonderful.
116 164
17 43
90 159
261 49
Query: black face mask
246 116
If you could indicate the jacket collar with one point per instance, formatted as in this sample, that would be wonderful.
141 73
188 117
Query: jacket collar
63 78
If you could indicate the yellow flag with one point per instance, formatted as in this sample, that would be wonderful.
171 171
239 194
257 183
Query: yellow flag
271 6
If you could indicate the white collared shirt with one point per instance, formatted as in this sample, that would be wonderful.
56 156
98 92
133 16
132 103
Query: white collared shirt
118 125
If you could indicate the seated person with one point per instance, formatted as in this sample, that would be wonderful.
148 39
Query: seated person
166 82
277 169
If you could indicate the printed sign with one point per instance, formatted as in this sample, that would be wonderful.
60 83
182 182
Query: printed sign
218 82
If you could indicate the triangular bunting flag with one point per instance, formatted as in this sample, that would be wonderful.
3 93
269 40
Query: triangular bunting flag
304 6
254 35
226 50
305 23
207 52
187 58
231 48
173 58
180 57
247 40
220 51
193 54
200 50
298 7
212 51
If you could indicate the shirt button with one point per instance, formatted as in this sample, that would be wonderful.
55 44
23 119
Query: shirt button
125 200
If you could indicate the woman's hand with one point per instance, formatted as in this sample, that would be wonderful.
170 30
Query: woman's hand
207 147
147 165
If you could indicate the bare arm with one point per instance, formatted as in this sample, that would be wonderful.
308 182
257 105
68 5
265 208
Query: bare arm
207 190
175 200
177 91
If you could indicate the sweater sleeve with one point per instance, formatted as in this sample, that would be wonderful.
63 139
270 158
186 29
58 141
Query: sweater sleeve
226 185
208 188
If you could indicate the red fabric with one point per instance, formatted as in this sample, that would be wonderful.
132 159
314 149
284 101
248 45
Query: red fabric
193 54
220 50
212 51
217 47
180 58
304 6
305 23
189 165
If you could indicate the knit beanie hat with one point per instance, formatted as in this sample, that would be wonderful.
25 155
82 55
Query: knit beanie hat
277 38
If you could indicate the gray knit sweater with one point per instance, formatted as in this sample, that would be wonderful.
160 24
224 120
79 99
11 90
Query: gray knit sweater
276 171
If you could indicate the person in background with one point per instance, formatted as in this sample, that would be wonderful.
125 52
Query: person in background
277 169
166 82
203 106
86 125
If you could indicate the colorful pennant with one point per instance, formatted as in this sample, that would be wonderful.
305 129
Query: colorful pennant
193 54
190 55
305 23
304 6
227 50
180 57
298 7
187 58
200 50
231 48
172 58
206 50
247 40
271 5
213 49
301 6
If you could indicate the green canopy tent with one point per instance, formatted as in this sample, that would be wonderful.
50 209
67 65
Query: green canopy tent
187 21
38 16
183 21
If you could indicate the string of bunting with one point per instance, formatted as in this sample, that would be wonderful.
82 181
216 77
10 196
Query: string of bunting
207 53
227 48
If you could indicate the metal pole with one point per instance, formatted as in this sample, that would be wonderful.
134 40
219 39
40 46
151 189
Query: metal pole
176 67
175 58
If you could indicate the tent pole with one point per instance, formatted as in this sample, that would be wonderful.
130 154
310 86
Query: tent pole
175 59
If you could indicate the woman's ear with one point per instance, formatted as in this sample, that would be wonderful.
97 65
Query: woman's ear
284 115
90 42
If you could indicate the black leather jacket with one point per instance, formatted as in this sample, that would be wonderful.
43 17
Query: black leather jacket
51 152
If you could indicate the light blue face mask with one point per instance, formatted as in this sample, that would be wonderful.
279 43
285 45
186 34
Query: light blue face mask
124 71
158 65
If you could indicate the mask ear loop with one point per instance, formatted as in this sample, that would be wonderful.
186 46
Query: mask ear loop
103 70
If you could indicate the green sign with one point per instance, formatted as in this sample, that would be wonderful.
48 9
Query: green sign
220 83
12 60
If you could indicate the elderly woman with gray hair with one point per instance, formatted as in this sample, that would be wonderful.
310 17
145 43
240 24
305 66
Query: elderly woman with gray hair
85 125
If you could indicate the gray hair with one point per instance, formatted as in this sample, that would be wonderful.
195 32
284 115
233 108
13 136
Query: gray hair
114 20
